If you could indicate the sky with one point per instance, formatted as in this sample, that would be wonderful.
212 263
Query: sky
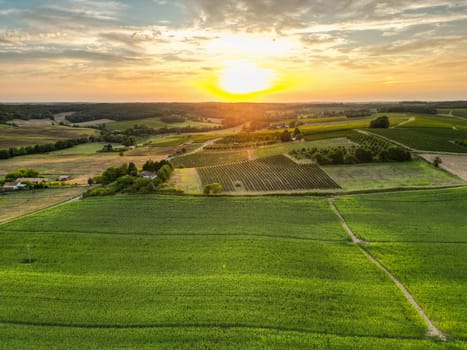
211 50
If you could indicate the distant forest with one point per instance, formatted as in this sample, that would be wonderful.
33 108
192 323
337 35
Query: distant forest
231 113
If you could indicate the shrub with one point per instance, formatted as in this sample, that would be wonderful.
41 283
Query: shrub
213 188
380 122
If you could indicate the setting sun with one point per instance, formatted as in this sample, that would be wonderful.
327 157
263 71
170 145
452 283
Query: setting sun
245 78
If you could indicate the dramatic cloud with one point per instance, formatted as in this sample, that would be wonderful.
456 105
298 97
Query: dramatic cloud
319 45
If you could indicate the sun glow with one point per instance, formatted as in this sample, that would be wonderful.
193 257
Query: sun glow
245 78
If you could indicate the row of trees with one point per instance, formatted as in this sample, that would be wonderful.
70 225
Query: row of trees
352 155
44 148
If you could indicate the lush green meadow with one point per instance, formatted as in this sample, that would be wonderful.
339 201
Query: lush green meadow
389 175
156 123
418 216
268 272
174 215
30 136
430 133
208 158
460 112
421 237
281 148
173 337
436 275
345 125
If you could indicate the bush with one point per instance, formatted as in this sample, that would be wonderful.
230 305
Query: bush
213 188
363 155
21 173
380 122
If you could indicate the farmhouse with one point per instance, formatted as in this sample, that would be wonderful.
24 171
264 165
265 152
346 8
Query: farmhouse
64 178
148 174
34 180
20 183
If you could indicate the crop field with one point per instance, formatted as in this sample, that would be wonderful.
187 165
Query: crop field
29 136
430 121
186 180
281 148
156 123
277 173
375 144
455 164
345 125
273 272
389 175
428 139
421 237
87 148
439 212
209 158
460 112
430 133
230 338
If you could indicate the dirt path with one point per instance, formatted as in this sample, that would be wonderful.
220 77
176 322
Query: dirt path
432 331
450 115
411 119
251 154
346 227
199 149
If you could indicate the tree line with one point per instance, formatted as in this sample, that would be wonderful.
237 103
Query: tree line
42 148
352 155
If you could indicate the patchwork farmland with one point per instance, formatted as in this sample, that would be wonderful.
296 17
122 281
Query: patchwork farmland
290 254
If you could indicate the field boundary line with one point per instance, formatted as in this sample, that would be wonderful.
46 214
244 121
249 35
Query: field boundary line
433 331
193 235
205 325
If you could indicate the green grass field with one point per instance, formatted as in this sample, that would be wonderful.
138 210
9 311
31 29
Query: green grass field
84 149
30 136
439 212
461 112
346 125
389 175
208 158
273 272
230 338
281 148
429 133
421 237
156 123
